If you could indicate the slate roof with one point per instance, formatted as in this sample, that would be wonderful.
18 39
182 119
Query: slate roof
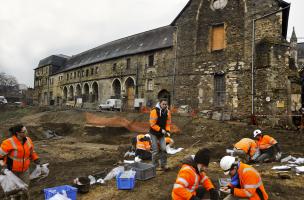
159 38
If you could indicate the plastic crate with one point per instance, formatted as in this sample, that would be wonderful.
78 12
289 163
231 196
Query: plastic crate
144 171
125 183
70 191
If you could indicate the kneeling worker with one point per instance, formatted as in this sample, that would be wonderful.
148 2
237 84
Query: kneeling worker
246 149
192 182
268 146
247 182
142 144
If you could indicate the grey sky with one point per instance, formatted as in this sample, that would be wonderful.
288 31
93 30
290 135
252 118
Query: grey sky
31 30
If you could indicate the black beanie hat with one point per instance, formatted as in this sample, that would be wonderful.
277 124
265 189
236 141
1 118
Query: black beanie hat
202 157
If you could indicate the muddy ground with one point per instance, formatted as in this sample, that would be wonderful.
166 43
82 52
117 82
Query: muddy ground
83 150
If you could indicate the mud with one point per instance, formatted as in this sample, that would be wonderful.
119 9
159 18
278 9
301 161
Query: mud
84 150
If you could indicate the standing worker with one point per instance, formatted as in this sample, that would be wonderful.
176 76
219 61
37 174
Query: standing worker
268 146
247 182
160 122
246 149
191 182
16 153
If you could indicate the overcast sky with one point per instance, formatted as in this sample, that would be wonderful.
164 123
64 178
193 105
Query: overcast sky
31 30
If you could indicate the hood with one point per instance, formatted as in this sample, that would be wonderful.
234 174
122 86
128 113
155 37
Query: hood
189 160
160 109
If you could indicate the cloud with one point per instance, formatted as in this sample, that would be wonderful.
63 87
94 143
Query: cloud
34 29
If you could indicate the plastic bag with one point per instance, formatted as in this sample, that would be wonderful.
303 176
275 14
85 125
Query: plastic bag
114 172
36 173
10 182
41 171
62 196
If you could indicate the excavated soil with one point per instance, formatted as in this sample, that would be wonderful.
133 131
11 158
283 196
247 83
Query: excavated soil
83 149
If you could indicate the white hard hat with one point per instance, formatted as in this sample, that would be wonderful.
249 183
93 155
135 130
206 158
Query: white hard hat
148 135
256 132
226 163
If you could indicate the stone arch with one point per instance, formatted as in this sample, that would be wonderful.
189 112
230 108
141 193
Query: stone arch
95 91
164 94
71 93
116 88
130 92
65 93
86 92
78 90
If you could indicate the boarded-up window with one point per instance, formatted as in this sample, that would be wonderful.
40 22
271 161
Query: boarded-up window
217 37
219 90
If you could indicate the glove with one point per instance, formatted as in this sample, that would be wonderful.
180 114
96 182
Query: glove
225 190
195 198
168 134
278 156
163 131
37 161
214 195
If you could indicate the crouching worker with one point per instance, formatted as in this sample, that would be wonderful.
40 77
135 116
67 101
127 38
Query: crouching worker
142 145
192 182
169 141
268 147
246 149
16 154
246 182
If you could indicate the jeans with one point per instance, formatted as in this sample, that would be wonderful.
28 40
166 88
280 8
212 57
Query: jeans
159 152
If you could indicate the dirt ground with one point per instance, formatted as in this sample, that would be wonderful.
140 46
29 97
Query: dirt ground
84 149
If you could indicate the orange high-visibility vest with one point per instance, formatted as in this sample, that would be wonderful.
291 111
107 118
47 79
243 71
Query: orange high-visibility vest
187 182
266 142
155 122
251 184
247 145
169 140
144 145
16 155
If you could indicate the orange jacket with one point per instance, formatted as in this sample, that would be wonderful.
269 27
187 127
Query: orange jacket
169 140
154 121
16 155
247 145
251 184
144 145
266 142
188 181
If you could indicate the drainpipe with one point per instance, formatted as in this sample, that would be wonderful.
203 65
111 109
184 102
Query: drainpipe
174 68
253 52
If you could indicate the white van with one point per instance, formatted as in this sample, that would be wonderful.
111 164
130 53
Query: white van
111 104
3 100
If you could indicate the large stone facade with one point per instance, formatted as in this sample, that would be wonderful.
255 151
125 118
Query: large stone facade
203 60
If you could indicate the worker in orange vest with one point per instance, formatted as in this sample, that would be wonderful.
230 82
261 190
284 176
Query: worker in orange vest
17 152
169 141
192 182
268 147
142 144
246 149
160 126
246 181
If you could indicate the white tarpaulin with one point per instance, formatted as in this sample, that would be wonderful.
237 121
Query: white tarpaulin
172 151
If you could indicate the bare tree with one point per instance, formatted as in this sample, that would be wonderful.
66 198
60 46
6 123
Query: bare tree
8 83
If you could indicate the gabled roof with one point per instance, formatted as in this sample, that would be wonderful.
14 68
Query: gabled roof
56 60
159 38
181 12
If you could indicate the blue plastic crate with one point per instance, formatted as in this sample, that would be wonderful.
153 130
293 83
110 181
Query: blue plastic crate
125 183
70 191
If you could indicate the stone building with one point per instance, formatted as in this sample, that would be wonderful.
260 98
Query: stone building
229 58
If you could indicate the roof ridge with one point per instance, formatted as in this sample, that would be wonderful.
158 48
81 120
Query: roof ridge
130 36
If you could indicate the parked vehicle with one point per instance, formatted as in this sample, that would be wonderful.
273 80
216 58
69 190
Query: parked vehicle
3 100
111 104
